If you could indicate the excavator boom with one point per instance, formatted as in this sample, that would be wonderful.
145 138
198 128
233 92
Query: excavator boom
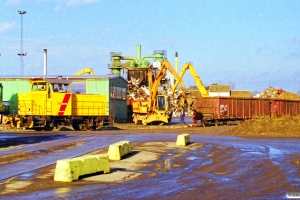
197 79
154 85
85 71
166 64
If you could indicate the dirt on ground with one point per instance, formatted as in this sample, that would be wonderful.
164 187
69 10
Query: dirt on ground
282 127
267 127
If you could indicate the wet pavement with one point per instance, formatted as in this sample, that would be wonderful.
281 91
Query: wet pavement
211 167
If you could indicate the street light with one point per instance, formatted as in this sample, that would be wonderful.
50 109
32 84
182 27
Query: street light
22 54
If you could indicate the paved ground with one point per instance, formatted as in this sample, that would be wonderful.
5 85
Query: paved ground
211 167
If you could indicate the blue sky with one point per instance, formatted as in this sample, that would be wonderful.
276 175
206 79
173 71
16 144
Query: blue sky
251 44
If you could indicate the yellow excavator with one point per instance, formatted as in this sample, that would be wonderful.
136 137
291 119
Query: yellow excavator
197 79
85 71
157 109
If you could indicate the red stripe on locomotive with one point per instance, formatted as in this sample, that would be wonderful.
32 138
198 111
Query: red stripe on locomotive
64 105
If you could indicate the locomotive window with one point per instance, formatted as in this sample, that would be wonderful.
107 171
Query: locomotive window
78 87
61 87
38 87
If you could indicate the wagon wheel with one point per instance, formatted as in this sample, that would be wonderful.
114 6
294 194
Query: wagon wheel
217 123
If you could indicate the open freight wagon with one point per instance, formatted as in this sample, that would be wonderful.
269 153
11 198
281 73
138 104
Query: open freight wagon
223 110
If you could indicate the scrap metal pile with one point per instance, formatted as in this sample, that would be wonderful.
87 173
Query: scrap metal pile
273 92
135 92
178 102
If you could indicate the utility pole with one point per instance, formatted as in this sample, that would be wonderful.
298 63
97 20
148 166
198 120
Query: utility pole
22 54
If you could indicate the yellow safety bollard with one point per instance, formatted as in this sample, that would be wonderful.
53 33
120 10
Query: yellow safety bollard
68 170
183 139
119 149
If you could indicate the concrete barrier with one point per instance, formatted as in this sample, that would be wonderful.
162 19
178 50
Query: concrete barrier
119 149
183 139
68 170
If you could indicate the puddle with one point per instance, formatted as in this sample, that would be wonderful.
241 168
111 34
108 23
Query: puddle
27 176
15 186
192 158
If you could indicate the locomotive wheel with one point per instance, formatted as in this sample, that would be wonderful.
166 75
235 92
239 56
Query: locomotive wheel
76 126
88 128
89 125
81 126
49 126
39 129
99 125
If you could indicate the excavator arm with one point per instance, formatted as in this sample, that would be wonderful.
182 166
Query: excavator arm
153 85
85 71
197 79
169 67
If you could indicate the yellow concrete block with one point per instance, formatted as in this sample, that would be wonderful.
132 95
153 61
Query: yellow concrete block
126 147
103 163
69 170
119 149
114 152
183 139
90 165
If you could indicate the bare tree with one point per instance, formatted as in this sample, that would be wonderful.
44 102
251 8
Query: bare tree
232 85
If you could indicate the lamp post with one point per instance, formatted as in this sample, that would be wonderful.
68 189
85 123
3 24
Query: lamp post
22 54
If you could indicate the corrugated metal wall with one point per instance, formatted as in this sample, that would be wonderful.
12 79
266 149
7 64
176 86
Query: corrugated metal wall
120 105
12 87
103 86
98 86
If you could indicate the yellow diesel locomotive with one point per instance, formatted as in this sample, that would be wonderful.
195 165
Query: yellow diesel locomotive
50 103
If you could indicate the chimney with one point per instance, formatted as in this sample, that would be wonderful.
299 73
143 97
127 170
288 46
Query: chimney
45 62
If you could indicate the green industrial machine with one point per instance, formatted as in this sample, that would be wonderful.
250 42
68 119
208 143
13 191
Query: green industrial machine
136 66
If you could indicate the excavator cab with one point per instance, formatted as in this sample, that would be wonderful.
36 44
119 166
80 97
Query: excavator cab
162 102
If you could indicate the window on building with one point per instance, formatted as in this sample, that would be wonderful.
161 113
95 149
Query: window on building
118 92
